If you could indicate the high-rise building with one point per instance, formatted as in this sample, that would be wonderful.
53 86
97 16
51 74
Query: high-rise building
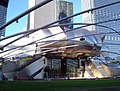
50 12
3 13
107 13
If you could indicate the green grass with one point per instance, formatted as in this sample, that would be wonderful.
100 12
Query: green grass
61 85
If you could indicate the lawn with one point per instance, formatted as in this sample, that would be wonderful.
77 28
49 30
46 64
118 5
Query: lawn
61 85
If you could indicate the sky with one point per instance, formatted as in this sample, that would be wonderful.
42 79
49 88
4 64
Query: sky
16 7
77 9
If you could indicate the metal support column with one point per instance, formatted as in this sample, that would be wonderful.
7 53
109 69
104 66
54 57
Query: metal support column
82 66
63 67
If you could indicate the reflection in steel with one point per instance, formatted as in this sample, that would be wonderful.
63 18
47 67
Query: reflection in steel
73 44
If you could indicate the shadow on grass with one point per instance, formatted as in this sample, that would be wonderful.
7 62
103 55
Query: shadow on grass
62 85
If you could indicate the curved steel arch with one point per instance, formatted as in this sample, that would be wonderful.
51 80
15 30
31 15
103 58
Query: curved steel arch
45 2
72 30
87 24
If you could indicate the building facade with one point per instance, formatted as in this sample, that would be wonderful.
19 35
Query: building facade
3 14
104 14
49 13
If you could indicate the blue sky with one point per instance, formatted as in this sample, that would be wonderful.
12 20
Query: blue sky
16 7
77 9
